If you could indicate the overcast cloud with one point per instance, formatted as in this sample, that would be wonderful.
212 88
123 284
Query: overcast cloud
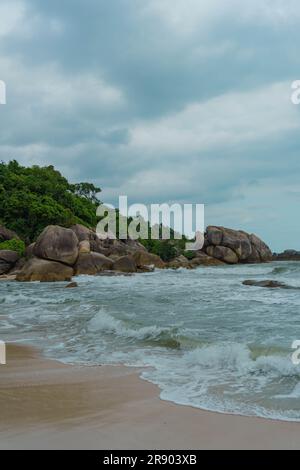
162 100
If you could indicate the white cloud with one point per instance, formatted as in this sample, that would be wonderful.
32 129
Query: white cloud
190 16
229 119
11 16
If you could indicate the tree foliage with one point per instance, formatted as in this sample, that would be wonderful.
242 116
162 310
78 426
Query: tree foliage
14 245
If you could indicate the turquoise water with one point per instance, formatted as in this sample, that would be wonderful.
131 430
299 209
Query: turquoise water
209 341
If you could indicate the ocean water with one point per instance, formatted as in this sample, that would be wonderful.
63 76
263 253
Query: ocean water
205 339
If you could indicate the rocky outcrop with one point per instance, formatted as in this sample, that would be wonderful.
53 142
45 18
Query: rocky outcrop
202 259
223 253
57 244
42 270
8 260
143 258
126 264
268 284
82 233
84 246
287 255
92 263
29 250
235 246
59 253
72 285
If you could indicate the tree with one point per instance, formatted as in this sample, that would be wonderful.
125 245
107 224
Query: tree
32 198
87 190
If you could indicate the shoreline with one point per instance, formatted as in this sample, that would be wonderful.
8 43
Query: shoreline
49 405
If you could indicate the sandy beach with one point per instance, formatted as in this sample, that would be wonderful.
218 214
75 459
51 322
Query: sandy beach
48 405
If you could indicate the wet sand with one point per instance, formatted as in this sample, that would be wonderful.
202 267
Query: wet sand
47 405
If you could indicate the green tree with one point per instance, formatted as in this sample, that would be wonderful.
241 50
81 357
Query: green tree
32 198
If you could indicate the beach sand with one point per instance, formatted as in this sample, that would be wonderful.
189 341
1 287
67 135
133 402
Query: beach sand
47 405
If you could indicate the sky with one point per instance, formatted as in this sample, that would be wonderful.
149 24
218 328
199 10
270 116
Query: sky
171 101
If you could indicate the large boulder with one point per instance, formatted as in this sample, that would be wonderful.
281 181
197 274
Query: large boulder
6 234
84 246
263 250
18 266
125 264
202 259
42 270
82 232
268 284
4 267
92 263
223 253
143 258
57 244
214 235
29 252
179 262
237 240
8 259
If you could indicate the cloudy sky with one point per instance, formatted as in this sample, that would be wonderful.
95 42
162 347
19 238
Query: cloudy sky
162 100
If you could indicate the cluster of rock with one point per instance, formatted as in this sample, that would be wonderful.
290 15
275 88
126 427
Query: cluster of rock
60 253
235 246
287 255
269 284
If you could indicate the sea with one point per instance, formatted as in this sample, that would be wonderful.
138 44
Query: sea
203 337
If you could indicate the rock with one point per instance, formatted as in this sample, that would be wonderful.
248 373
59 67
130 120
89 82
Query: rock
92 263
72 285
202 259
29 252
4 267
9 256
143 258
126 264
99 246
237 240
83 233
262 249
287 255
18 266
146 269
84 247
6 234
179 262
247 248
223 253
42 270
254 258
57 244
214 236
268 284
8 259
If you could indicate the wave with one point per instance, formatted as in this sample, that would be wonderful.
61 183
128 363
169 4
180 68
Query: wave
160 336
